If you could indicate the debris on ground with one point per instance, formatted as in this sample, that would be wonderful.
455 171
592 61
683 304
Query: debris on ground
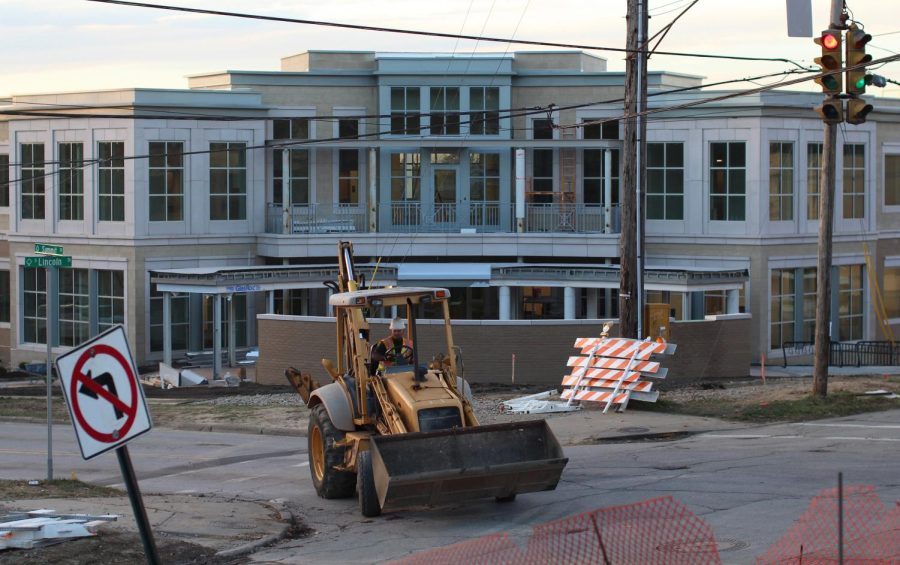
39 528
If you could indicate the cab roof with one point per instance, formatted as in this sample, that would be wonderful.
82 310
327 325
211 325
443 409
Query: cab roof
395 296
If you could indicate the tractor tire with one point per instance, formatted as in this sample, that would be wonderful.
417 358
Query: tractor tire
365 486
324 457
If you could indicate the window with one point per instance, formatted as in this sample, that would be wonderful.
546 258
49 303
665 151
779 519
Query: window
593 170
813 170
348 128
111 181
4 296
74 307
227 181
444 111
33 181
782 313
405 176
850 312
166 181
290 128
854 181
34 308
891 179
4 180
405 111
110 299
71 181
891 289
484 106
665 181
484 189
542 175
727 181
180 309
542 128
781 181
809 303
608 129
348 177
298 180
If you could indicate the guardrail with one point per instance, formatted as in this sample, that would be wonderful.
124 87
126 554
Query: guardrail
856 354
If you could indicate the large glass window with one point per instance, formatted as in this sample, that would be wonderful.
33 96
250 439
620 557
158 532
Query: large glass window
4 180
854 186
484 189
110 299
111 181
542 128
33 181
405 110
608 129
727 181
782 310
166 181
542 175
348 177
290 128
484 107
4 296
405 176
781 181
850 307
891 289
227 181
180 309
813 170
809 303
34 307
348 128
298 180
71 181
593 173
891 180
665 181
74 306
444 110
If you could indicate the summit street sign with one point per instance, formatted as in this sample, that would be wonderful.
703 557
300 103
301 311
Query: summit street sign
64 261
44 249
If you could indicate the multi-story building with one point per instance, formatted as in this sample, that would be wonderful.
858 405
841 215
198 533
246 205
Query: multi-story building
184 208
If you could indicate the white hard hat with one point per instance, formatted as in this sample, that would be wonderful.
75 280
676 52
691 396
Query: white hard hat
398 324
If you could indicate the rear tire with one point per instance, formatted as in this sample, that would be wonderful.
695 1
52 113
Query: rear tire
365 486
324 457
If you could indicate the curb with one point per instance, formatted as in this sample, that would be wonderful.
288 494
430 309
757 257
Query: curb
284 515
236 429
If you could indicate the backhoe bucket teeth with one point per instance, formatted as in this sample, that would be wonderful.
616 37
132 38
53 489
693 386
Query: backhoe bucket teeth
423 469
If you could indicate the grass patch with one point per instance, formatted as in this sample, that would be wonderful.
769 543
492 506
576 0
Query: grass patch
18 408
17 490
795 410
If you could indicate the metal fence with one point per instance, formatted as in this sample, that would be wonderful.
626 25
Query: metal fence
852 354
315 218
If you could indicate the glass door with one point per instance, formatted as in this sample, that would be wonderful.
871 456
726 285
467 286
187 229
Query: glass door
445 195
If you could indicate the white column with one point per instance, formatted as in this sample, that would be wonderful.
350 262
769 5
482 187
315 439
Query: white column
569 303
607 303
373 190
329 311
270 302
593 299
217 335
393 312
732 301
287 223
520 190
232 361
607 191
504 300
167 328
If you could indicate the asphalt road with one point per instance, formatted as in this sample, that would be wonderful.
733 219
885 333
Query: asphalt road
748 484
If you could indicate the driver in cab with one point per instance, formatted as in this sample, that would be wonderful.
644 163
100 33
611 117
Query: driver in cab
394 349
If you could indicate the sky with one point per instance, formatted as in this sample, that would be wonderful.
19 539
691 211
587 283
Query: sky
76 45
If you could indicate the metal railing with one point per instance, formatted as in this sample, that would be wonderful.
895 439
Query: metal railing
315 218
856 354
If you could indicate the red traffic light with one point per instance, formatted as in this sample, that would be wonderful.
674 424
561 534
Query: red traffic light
829 41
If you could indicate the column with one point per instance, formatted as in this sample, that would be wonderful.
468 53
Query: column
270 302
732 301
232 361
607 191
372 204
569 302
520 190
167 328
287 223
593 299
504 300
217 335
329 311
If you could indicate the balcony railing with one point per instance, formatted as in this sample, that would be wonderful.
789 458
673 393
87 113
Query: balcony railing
471 216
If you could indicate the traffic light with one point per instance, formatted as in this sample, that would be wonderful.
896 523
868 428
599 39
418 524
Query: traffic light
856 54
832 111
857 110
830 41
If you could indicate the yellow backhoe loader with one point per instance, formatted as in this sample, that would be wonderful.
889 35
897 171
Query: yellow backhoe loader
401 434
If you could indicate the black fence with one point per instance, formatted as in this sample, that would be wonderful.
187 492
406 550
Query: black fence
858 354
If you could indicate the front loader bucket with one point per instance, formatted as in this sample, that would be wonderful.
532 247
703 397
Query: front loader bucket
432 468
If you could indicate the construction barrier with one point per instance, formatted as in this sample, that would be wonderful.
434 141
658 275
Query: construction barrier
871 532
658 531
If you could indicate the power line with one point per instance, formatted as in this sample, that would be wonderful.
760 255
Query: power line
433 33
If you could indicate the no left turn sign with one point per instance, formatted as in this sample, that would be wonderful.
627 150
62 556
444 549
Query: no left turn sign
103 393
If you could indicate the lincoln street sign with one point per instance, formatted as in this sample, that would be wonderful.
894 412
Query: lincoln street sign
44 249
64 261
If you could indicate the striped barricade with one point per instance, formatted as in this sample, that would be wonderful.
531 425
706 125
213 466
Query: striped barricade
612 370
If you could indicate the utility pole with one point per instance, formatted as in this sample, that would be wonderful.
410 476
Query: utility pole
630 193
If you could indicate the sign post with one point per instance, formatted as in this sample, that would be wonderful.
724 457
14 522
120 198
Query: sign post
107 407
56 260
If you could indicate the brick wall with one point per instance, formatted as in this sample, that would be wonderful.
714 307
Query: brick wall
541 347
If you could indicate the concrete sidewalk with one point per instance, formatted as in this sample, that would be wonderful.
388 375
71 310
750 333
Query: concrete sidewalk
776 370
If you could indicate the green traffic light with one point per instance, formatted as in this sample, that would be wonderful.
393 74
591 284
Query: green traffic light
861 83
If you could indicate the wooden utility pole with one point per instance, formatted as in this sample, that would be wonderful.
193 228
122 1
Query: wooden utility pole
826 229
628 297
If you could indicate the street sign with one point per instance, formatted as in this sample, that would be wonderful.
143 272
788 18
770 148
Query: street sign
64 261
45 249
101 388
